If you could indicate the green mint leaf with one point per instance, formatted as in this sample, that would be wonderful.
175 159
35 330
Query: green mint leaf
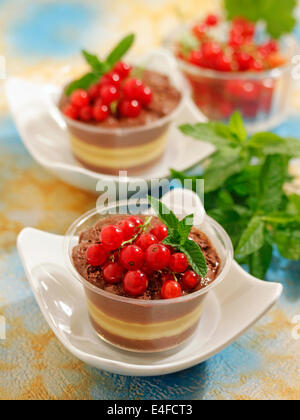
164 213
206 132
259 261
195 257
219 171
246 8
237 127
278 15
185 227
83 83
273 176
94 62
252 238
295 201
288 243
120 50
246 182
178 234
271 144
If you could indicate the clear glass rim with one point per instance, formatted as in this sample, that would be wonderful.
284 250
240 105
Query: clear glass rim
274 73
70 235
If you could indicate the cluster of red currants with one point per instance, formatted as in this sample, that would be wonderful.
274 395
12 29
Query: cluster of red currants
116 93
239 53
135 263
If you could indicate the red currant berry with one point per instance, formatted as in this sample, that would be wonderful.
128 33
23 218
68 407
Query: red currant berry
160 232
212 20
190 280
223 63
158 257
109 94
136 220
130 109
114 79
211 49
135 283
196 58
128 228
86 113
123 69
94 92
272 45
146 96
71 111
200 31
80 98
146 240
132 258
100 112
244 61
113 273
178 262
147 270
105 80
96 255
236 40
171 290
132 88
112 237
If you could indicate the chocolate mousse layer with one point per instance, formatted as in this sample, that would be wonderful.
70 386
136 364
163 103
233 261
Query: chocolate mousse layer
112 147
146 323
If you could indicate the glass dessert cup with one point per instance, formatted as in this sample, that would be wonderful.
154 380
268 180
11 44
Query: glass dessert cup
146 325
262 98
133 149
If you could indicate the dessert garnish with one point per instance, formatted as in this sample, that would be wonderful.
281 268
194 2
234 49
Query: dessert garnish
109 89
245 191
132 252
229 47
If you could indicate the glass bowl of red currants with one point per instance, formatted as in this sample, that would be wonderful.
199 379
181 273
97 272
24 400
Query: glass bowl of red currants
142 296
121 122
235 66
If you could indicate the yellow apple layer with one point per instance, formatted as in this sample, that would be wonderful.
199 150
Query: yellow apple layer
134 331
125 157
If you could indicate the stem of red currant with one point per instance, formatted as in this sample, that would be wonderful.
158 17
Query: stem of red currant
142 229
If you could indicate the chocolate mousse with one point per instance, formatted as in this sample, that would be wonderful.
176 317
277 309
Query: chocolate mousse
143 323
118 117
165 100
94 275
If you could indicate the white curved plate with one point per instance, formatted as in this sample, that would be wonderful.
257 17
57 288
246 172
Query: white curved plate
233 307
44 134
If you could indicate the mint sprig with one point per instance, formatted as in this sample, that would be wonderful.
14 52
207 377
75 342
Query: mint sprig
98 67
244 190
277 15
179 236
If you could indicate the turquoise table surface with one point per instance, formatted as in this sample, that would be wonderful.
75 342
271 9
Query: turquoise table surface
38 39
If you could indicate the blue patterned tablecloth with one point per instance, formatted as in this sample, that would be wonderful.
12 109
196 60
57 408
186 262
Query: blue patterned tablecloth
38 39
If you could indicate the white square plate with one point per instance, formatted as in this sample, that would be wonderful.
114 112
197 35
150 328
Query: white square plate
233 307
